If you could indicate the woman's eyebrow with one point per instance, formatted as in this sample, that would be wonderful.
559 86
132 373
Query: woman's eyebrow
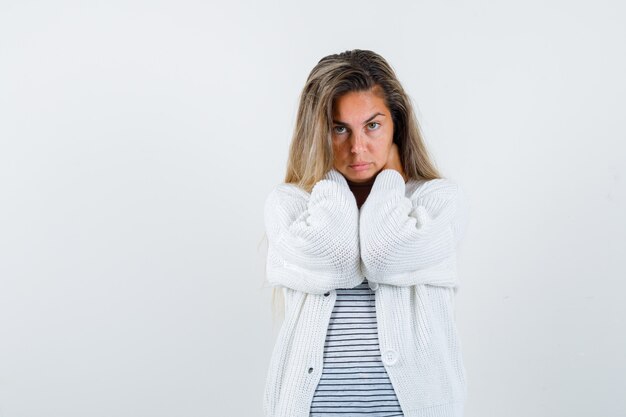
371 117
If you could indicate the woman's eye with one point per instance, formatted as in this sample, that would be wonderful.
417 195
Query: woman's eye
339 127
374 123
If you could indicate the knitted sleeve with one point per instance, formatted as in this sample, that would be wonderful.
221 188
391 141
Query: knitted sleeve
411 240
313 243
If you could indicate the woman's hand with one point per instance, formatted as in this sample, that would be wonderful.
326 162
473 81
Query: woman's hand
393 161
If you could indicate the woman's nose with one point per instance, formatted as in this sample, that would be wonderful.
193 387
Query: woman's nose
358 143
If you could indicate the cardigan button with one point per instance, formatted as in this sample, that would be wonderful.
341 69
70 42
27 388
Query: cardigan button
390 357
373 285
310 370
326 294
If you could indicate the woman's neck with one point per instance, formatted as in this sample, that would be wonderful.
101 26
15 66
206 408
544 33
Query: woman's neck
368 182
361 190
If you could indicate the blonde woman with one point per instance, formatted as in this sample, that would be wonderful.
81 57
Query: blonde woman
362 242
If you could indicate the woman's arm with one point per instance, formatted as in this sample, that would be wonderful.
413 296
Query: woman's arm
313 243
402 237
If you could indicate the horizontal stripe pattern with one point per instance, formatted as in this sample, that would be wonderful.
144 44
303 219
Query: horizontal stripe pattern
354 381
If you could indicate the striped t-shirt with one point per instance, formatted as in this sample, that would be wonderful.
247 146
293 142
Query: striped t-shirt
354 381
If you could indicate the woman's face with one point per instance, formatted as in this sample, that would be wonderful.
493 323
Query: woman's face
362 135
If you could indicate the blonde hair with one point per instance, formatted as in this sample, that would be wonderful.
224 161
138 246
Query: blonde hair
311 151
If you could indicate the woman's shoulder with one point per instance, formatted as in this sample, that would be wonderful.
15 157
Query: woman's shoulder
286 191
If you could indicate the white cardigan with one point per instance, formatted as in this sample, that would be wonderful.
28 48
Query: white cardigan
404 238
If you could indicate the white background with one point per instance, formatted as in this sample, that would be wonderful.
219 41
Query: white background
138 141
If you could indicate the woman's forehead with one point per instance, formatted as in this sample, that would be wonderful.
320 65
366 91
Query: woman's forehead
358 107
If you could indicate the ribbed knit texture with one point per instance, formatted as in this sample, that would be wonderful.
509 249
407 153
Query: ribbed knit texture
394 228
313 237
404 240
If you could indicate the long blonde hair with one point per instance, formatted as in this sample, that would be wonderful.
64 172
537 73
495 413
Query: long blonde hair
311 151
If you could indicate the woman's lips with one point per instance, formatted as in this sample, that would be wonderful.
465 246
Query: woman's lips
360 167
